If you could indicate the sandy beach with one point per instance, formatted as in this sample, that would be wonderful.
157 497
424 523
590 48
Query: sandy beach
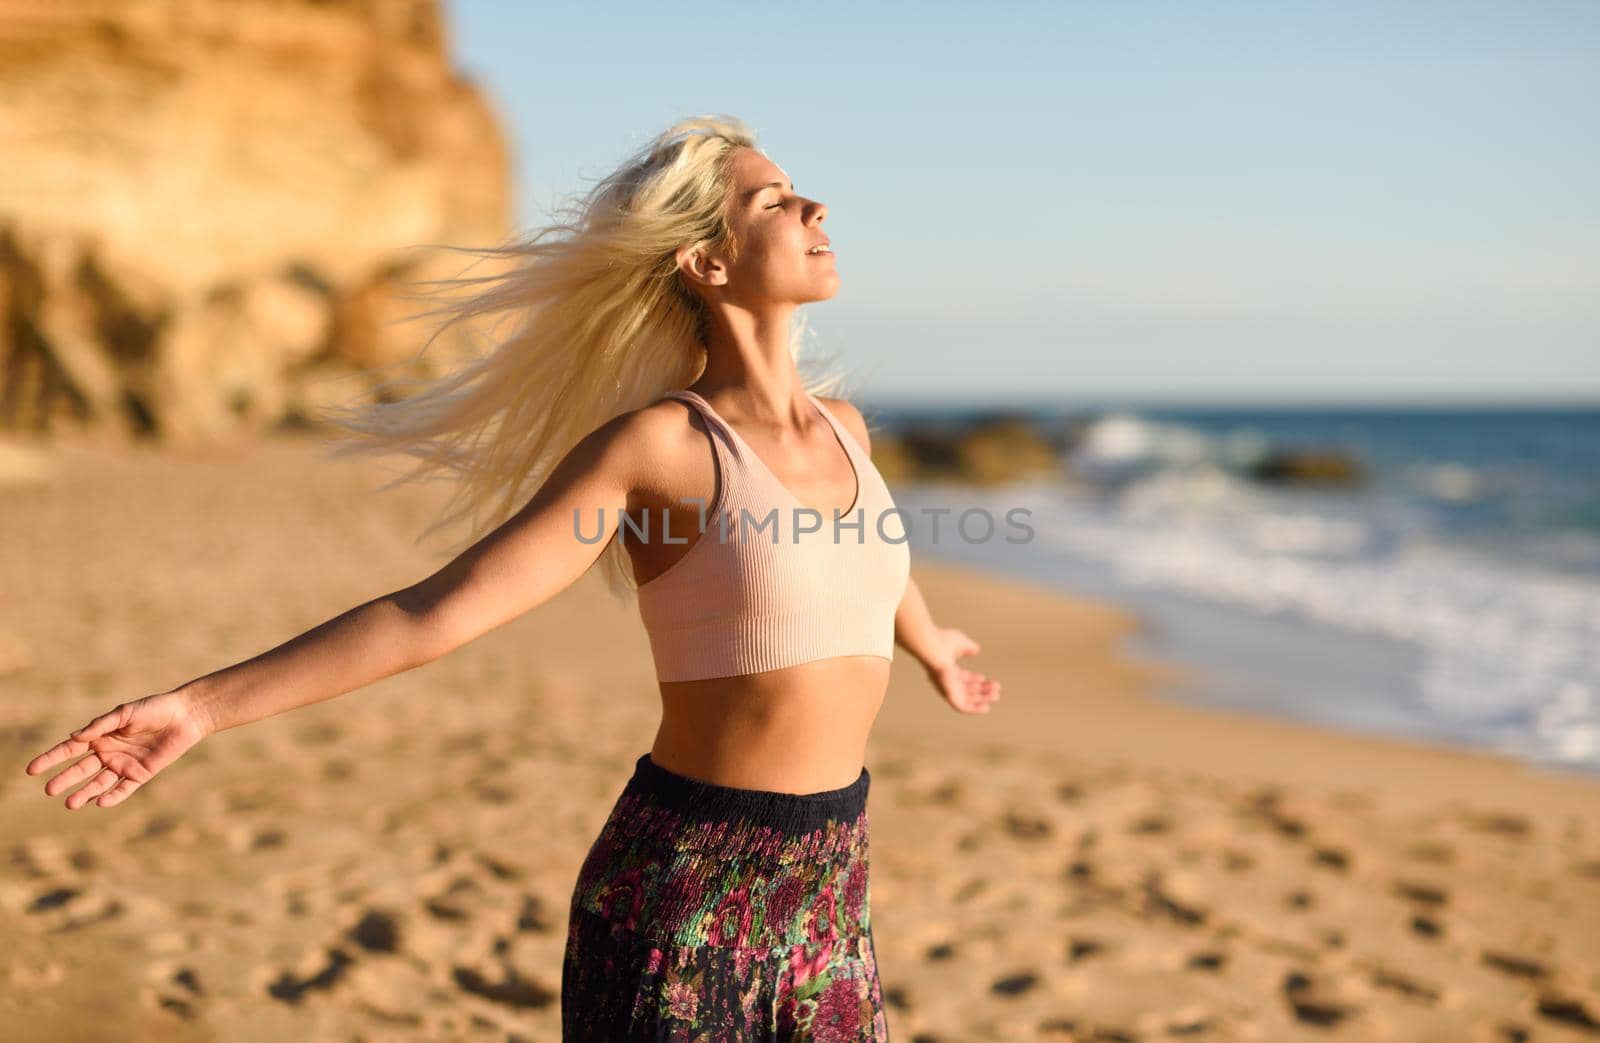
1087 862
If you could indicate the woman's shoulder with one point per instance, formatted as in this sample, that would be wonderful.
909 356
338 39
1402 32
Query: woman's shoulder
664 417
662 435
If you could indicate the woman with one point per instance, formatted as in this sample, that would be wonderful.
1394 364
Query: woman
726 896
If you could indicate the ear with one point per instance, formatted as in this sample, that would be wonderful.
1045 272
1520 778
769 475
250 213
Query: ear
699 267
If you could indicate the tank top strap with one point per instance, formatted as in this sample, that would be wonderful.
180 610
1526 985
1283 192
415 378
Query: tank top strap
710 416
846 439
724 442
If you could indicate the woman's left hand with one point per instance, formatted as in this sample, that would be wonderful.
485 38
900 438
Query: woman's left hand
967 691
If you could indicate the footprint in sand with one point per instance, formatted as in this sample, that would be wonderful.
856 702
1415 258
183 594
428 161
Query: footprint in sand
893 768
1427 927
970 841
970 889
452 903
491 792
1159 900
176 1005
945 792
1069 792
1235 861
1331 858
1191 1025
1149 825
54 898
472 741
1264 806
1514 966
1312 1002
26 863
1025 826
60 909
255 797
534 916
1588 869
1431 851
292 989
176 990
320 733
1425 894
511 989
397 1017
1014 984
1407 986
376 931
498 869
1072 1029
1079 949
247 838
1566 1010
157 826
1501 823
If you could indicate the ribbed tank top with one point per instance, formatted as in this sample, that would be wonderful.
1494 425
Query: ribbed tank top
767 583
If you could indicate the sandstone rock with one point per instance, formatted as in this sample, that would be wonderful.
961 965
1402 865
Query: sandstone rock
202 200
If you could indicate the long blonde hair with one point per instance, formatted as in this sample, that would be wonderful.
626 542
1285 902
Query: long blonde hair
605 325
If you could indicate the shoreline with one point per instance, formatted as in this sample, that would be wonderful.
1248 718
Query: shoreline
1289 748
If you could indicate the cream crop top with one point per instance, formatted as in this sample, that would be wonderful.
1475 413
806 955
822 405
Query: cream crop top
770 582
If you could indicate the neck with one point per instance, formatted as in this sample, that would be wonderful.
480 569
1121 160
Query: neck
748 357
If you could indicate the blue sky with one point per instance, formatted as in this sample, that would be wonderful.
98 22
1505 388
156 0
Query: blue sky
1144 202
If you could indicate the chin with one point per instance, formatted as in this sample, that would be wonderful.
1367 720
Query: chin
830 288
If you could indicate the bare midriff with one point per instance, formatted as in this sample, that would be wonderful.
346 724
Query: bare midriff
800 729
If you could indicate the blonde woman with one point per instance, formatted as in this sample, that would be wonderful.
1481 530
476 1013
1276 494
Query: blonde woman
648 407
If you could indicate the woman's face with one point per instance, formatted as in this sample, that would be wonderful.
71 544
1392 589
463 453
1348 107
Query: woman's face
774 228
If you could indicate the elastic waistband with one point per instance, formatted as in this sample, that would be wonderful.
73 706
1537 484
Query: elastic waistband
792 813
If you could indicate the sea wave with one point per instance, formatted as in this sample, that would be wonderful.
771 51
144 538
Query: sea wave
1510 646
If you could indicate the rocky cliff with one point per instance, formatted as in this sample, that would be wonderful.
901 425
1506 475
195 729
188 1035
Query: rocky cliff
209 209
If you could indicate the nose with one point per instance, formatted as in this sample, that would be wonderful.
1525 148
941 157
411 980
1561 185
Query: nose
818 212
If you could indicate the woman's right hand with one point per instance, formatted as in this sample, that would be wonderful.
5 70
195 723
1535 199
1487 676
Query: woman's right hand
126 746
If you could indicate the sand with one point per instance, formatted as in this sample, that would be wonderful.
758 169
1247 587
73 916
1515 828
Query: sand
1087 862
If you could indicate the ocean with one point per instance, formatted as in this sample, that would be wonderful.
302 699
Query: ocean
1450 596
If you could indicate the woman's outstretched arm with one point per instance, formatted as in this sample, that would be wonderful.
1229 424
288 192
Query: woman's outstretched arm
385 636
527 560
937 648
915 630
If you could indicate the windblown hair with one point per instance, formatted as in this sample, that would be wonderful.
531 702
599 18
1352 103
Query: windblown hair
604 325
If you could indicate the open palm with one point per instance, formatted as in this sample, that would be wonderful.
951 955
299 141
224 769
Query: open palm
126 746
965 689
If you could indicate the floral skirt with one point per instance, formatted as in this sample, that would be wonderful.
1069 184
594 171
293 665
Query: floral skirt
711 913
